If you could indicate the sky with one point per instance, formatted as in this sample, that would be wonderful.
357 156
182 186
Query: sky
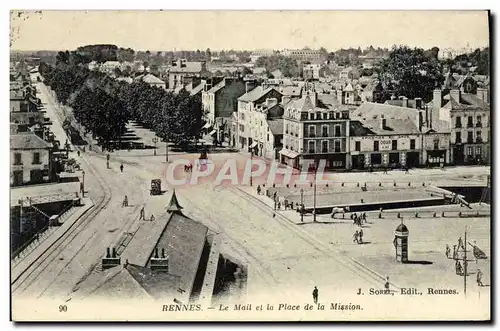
248 30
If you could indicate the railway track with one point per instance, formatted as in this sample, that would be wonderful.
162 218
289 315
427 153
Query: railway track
28 276
357 268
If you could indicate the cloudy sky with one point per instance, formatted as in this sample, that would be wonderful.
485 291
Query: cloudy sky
191 30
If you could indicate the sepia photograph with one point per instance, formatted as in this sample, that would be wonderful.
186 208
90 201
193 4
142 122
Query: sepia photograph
250 165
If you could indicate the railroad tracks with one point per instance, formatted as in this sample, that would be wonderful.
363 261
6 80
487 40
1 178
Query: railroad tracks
30 275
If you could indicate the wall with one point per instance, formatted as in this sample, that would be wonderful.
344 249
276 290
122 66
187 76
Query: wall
226 99
27 166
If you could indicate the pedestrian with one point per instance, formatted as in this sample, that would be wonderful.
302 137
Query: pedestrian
121 167
360 236
454 252
315 294
355 237
447 251
78 153
142 214
460 243
458 266
364 217
479 278
279 205
125 202
258 189
286 204
385 170
274 196
387 284
152 218
407 171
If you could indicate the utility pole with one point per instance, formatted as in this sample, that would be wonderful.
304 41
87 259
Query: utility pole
314 202
155 140
465 262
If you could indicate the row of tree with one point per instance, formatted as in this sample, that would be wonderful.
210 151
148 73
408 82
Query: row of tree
103 106
289 67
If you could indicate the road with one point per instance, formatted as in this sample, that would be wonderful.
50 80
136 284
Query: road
284 260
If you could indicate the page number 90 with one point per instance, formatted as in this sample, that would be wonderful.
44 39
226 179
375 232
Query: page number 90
63 308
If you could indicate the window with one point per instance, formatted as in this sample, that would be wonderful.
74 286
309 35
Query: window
17 159
311 116
469 137
338 130
336 146
324 130
469 122
324 146
287 129
478 151
478 137
412 143
436 144
394 145
312 131
268 137
458 137
318 116
312 147
469 150
325 116
303 116
242 116
36 158
478 122
330 115
375 145
358 146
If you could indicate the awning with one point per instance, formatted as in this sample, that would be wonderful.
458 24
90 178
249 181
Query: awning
212 132
254 144
290 154
206 126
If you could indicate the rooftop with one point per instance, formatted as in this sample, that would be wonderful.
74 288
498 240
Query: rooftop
256 94
187 67
28 140
275 125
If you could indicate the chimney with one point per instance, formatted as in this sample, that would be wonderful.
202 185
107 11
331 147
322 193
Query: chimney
482 94
156 253
114 253
455 94
159 263
340 97
420 120
270 102
393 97
163 253
108 253
437 101
383 122
111 259
418 103
405 102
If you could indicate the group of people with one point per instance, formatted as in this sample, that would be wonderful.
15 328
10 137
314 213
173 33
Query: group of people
358 236
461 266
142 215
358 219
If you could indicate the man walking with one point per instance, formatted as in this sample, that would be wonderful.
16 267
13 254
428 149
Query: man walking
315 294
121 167
447 251
360 236
479 278
142 214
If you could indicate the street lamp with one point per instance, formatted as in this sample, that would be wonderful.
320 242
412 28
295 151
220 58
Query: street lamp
302 205
251 154
314 200
83 183
155 140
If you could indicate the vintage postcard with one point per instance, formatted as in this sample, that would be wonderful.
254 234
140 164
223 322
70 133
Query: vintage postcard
250 165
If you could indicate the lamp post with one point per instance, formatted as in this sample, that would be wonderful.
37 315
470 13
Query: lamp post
302 205
166 149
155 140
251 158
83 183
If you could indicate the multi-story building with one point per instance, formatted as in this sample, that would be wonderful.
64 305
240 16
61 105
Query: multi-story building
181 69
255 109
220 101
468 117
303 54
316 127
31 161
382 135
313 71
151 80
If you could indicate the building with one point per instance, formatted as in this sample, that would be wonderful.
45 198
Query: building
303 54
464 83
382 135
468 117
172 259
181 69
316 127
261 53
151 80
31 159
346 74
313 71
255 109
348 95
219 101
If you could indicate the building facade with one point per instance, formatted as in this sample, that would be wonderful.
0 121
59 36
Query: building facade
181 69
315 133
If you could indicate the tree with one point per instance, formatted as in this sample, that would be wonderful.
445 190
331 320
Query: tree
411 73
